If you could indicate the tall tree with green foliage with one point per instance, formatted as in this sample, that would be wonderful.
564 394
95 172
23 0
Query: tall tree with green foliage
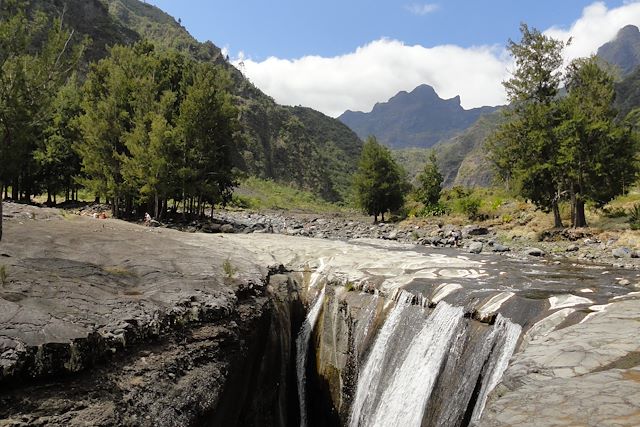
597 154
36 58
430 182
380 183
207 125
525 147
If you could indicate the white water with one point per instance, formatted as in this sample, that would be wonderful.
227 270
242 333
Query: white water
302 346
510 332
369 377
404 400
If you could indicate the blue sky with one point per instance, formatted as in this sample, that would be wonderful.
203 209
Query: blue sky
291 29
337 55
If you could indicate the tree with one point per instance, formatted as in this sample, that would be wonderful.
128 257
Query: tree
379 183
525 147
208 130
36 58
430 182
596 152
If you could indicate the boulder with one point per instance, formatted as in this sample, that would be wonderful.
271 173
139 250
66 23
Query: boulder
621 253
227 228
534 252
497 247
475 247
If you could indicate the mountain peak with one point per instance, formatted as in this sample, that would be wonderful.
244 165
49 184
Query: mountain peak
624 50
419 118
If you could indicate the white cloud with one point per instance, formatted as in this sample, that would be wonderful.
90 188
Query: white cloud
596 26
422 9
377 71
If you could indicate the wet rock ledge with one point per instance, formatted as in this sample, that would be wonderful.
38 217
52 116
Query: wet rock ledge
107 323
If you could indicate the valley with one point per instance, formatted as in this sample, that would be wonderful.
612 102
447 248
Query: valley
187 239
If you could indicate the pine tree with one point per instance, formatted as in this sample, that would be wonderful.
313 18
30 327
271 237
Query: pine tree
525 147
597 154
430 182
379 183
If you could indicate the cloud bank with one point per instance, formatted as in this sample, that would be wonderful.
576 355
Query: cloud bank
377 71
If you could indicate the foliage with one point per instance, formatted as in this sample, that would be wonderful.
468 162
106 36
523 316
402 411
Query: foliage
379 183
157 126
229 269
256 193
429 183
37 55
437 209
634 217
596 153
470 206
550 148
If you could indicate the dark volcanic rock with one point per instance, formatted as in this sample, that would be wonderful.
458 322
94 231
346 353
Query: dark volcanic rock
108 323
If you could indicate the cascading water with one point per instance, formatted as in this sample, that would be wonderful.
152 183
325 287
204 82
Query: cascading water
302 347
368 381
416 378
404 400
504 348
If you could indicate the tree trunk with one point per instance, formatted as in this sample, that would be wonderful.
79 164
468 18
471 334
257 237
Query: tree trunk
375 218
581 220
557 219
382 216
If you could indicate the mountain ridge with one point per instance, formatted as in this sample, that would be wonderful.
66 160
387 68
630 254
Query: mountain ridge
419 118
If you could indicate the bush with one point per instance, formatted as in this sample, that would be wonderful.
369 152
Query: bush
470 206
634 217
437 209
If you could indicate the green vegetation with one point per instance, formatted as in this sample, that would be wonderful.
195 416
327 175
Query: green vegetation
379 184
429 183
256 193
145 122
634 217
36 58
229 269
156 126
552 148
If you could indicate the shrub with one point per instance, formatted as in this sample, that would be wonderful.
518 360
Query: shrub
634 217
229 269
470 206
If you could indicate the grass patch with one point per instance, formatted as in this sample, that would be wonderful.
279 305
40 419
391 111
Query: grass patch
255 193
229 269
119 271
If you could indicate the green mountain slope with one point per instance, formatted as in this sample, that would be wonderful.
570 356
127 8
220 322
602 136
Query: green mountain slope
288 144
462 159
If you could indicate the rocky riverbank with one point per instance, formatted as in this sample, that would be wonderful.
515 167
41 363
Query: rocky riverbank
104 322
620 249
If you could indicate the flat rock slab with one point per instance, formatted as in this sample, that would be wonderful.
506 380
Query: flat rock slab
78 283
586 374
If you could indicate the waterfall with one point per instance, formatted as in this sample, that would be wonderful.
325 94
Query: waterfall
404 399
503 350
369 377
404 369
302 348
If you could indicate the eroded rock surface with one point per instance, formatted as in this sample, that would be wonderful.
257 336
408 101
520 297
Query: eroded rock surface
586 374
108 323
